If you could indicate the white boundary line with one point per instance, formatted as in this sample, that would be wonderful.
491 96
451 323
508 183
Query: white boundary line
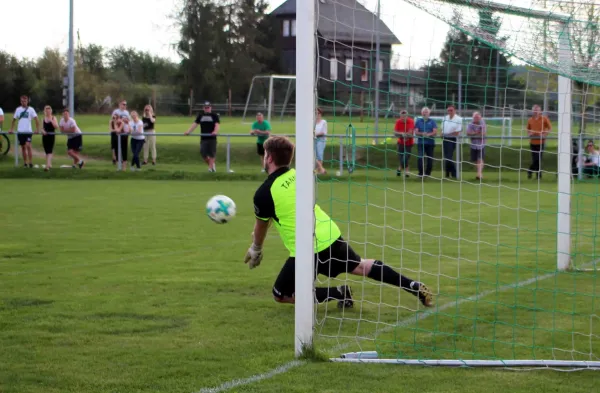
290 365
255 378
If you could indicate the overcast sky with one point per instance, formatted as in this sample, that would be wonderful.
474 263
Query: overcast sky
145 24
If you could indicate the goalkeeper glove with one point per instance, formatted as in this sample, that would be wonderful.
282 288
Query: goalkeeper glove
253 256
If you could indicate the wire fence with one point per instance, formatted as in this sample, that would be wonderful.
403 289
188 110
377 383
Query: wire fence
347 145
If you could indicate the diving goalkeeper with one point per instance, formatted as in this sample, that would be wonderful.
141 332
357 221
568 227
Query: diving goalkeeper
275 202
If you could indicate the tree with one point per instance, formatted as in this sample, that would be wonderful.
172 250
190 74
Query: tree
477 62
224 43
585 46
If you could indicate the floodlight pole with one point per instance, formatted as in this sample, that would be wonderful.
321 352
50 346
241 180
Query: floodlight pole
565 150
305 181
71 66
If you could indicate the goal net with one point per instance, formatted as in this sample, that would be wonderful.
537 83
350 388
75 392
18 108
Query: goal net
511 252
272 95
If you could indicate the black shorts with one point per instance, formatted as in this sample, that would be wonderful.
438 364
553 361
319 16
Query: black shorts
75 143
336 259
48 142
208 148
260 149
24 138
477 154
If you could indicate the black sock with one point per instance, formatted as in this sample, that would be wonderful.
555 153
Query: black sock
384 273
326 294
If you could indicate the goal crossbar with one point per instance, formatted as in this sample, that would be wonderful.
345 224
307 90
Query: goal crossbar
512 9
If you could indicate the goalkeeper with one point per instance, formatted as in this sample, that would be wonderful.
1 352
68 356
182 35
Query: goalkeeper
275 202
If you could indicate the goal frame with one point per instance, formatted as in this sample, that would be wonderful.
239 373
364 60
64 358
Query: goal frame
305 191
271 78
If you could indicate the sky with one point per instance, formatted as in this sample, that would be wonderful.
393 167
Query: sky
145 24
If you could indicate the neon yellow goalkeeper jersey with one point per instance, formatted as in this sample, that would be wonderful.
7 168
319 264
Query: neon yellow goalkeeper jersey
276 199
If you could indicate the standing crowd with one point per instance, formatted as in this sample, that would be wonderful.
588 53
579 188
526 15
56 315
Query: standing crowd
130 131
425 129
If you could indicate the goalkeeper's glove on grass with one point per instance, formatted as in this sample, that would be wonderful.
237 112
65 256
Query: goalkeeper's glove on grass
253 256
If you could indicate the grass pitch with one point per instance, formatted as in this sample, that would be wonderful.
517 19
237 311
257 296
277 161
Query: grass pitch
113 286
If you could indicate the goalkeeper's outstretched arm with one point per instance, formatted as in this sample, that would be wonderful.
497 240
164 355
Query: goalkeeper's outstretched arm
254 253
261 227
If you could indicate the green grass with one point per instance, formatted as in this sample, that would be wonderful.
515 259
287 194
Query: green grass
125 286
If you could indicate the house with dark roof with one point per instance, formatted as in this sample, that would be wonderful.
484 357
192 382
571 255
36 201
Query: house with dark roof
346 33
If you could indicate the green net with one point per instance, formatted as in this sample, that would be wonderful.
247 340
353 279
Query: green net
531 30
485 243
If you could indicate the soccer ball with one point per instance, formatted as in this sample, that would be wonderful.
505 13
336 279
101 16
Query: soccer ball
220 209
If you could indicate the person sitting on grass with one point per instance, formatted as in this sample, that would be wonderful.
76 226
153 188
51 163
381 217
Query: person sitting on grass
591 166
275 203
68 126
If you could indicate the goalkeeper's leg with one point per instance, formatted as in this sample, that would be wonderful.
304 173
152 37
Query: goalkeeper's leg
285 285
343 259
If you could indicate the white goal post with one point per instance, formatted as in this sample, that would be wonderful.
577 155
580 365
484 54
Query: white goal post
306 90
266 99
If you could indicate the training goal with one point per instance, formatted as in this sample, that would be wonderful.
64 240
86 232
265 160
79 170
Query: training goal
502 227
272 95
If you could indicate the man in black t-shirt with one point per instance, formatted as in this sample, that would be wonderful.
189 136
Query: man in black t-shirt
209 128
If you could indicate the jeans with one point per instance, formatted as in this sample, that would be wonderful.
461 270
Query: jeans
536 159
404 155
136 148
319 148
425 152
448 149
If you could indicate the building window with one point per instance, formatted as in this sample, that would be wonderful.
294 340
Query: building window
364 71
293 29
348 69
380 71
333 69
286 28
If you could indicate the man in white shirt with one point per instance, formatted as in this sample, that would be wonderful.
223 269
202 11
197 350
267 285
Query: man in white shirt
68 126
1 118
451 129
122 111
24 114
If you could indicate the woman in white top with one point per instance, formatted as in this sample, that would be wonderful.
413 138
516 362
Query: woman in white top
68 126
137 140
320 140
591 166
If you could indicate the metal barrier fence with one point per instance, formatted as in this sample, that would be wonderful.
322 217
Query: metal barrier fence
343 145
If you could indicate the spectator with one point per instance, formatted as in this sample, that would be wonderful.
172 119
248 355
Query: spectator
123 131
49 126
1 118
477 130
451 129
150 144
24 114
262 129
121 111
209 128
137 140
320 140
114 126
68 126
404 130
591 166
538 127
425 130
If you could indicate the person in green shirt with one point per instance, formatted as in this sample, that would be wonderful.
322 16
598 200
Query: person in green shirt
262 129
275 204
